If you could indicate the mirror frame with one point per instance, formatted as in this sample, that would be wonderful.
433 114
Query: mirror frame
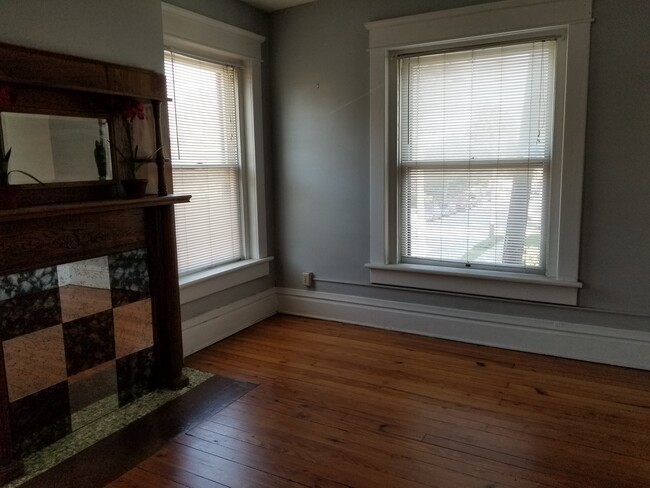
41 82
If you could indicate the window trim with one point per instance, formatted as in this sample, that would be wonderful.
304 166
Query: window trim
196 35
499 21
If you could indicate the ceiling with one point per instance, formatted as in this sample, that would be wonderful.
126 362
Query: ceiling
273 5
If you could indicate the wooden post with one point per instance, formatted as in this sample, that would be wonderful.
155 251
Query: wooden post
10 467
165 296
160 156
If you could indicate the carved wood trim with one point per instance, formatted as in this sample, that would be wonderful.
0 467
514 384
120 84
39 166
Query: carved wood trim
88 207
53 70
54 234
56 240
43 82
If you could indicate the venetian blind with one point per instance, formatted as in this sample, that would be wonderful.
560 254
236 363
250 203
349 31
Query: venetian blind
204 140
475 130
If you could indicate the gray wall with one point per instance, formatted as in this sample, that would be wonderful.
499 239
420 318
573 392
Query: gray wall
119 31
616 230
321 125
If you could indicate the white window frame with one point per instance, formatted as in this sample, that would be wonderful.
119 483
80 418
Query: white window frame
505 21
196 35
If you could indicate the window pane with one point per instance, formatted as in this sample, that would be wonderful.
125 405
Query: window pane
204 139
203 111
483 104
475 147
208 228
489 216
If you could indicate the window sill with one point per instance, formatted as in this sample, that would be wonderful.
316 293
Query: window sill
207 282
516 286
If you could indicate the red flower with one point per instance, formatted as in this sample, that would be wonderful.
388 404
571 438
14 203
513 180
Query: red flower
132 109
5 96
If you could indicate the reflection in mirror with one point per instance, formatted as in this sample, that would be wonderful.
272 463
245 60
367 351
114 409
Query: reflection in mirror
56 149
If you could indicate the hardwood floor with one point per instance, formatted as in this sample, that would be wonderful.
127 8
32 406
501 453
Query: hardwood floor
340 405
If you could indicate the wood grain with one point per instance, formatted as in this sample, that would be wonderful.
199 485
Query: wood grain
165 298
41 242
43 82
35 67
342 405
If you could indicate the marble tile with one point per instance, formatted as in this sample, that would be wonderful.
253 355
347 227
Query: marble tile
93 393
34 362
92 385
38 420
81 301
28 282
129 272
89 341
135 375
92 273
133 327
24 314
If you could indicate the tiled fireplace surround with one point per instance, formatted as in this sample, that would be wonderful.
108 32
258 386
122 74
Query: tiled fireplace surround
89 315
77 341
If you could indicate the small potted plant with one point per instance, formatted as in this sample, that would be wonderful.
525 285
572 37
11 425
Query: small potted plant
8 194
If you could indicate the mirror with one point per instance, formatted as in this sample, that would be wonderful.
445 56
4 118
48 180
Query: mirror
56 149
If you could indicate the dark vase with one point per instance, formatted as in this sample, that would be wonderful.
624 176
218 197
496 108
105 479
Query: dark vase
135 188
100 159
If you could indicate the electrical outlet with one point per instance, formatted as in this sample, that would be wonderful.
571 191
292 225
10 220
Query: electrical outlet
308 279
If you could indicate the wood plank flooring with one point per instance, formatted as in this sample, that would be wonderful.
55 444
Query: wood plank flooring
346 406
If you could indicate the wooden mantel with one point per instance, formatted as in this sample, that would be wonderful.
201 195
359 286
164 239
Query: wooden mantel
54 234
41 82
53 70
44 211
56 224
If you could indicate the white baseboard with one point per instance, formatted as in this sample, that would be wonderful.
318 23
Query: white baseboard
593 343
204 330
569 340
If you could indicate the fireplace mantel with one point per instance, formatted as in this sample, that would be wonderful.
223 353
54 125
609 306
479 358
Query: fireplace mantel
43 211
51 235
56 226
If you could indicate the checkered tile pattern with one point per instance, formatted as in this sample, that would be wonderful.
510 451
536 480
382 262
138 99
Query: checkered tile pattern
74 335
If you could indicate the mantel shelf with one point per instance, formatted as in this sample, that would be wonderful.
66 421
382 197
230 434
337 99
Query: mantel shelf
53 210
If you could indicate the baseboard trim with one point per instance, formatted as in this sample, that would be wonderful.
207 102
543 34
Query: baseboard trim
201 331
563 339
584 342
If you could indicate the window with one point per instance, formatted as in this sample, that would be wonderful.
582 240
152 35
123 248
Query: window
214 81
206 161
474 156
477 145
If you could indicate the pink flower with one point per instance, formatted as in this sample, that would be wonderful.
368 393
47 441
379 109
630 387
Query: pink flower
132 109
129 110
